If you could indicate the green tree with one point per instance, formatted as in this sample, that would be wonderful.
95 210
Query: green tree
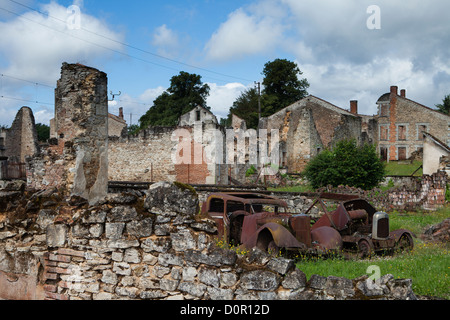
186 91
282 80
282 87
346 164
43 132
246 107
444 107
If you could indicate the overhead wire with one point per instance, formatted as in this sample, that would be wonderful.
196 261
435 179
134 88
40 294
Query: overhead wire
106 48
135 48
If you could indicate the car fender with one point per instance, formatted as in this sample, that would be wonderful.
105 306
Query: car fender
282 237
327 238
397 234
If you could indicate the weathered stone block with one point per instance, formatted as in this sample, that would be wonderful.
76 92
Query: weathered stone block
122 214
140 228
56 235
260 280
114 231
295 279
281 265
209 277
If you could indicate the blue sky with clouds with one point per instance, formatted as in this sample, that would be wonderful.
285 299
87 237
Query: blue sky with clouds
142 44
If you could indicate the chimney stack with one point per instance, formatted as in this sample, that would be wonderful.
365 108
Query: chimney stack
394 90
121 113
403 93
354 106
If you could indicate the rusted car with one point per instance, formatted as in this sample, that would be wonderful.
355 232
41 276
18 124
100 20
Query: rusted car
255 220
363 229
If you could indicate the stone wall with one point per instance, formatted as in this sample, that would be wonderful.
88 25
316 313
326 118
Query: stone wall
148 248
426 193
81 125
149 157
21 140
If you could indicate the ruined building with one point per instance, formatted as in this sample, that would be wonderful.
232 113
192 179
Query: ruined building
401 123
312 124
89 146
20 141
78 161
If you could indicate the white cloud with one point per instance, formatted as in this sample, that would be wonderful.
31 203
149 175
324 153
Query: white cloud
341 82
339 55
221 98
166 40
35 45
245 34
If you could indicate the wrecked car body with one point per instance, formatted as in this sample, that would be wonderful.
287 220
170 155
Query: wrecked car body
363 229
255 220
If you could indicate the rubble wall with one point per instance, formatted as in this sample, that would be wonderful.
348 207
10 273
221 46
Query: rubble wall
425 193
155 247
78 159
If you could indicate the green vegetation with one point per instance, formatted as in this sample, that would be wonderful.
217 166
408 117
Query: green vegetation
347 164
428 264
298 188
444 107
395 168
43 132
250 171
281 86
186 92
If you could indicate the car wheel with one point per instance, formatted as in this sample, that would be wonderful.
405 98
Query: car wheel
405 243
365 248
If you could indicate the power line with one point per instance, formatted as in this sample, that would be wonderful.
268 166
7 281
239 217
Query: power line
132 47
26 100
28 81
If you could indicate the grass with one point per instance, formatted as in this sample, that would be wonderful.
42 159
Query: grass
428 265
394 168
298 188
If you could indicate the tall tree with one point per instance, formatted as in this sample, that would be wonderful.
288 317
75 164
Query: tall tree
186 92
246 107
282 87
444 107
43 132
282 84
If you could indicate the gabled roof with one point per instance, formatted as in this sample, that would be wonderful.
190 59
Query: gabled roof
324 103
387 97
437 141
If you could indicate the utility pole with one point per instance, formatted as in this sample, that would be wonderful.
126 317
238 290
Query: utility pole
259 101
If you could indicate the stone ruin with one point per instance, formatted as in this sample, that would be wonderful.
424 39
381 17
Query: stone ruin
65 238
78 160
154 247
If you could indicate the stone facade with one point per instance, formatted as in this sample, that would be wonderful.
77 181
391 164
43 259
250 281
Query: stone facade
80 154
116 124
20 141
401 122
308 126
151 248
151 156
198 114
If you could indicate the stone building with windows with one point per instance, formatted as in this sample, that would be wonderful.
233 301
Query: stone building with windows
402 121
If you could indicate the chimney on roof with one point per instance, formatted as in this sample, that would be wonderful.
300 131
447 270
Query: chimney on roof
394 90
354 106
403 93
121 113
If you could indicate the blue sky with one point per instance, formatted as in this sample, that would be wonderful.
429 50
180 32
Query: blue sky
142 44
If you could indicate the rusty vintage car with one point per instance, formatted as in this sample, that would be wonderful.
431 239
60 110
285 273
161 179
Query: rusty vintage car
255 220
363 229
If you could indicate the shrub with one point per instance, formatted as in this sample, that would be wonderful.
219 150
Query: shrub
346 164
